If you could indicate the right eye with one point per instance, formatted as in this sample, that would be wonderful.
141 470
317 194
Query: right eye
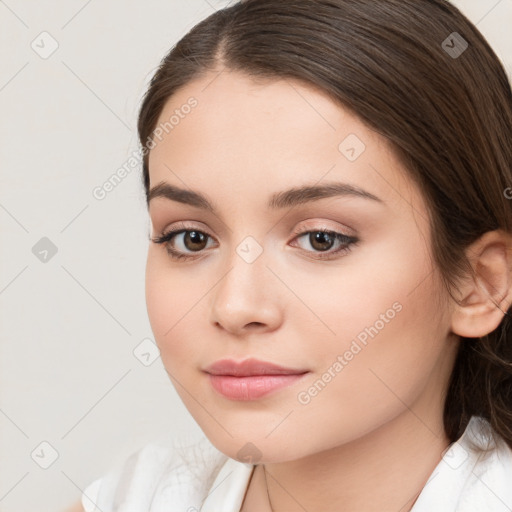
194 238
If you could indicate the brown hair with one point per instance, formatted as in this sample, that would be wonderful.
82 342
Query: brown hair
448 117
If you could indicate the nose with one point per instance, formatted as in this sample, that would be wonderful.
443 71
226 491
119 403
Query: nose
247 298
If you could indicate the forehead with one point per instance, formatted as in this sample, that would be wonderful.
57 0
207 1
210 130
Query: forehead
244 138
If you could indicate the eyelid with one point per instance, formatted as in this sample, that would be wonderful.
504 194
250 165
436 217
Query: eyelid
323 225
311 225
184 225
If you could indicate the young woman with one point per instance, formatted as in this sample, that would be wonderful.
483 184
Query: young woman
329 269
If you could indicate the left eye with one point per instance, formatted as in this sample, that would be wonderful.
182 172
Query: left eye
195 241
195 238
323 240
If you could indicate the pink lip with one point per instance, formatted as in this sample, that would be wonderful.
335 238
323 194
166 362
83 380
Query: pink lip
250 379
250 367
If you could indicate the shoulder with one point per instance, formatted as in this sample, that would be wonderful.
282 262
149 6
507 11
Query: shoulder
77 507
163 473
474 475
489 487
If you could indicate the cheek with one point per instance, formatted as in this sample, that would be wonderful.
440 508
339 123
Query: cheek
158 295
171 297
378 285
389 336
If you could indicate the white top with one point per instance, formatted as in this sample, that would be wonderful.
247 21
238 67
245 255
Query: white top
193 476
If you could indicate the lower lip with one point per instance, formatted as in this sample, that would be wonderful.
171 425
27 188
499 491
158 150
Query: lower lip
251 388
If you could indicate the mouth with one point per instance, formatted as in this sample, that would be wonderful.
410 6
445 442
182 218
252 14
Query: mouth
250 379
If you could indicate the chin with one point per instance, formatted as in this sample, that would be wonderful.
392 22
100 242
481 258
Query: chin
255 449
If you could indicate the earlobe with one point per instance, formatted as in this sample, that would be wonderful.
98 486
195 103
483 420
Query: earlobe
485 298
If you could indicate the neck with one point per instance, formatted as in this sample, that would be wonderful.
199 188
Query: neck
384 470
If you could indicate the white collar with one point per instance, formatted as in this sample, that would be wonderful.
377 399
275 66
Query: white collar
468 480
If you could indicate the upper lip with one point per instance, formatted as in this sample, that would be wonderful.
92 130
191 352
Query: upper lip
249 367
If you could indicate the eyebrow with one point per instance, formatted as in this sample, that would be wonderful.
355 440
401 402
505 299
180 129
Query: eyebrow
285 199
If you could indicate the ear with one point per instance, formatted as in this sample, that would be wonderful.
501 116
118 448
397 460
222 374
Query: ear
485 298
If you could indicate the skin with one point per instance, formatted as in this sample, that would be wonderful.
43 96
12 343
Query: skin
77 507
377 425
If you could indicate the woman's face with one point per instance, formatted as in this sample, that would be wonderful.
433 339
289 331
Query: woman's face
361 314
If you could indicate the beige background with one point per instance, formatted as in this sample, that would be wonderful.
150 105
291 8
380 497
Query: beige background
69 326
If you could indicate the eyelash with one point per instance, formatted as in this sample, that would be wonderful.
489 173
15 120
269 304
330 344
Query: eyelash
349 241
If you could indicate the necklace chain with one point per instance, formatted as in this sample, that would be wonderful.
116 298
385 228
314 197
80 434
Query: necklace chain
266 485
270 502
